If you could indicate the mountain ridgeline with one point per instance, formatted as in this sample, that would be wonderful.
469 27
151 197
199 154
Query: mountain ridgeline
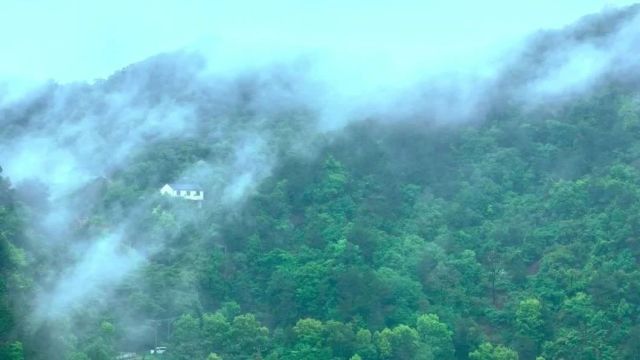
511 233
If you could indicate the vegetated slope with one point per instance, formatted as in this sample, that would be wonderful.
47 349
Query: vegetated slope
403 240
514 236
12 260
521 231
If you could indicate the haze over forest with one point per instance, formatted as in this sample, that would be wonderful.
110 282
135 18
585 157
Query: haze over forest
381 180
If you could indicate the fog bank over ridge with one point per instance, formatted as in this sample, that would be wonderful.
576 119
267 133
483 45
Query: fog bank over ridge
255 96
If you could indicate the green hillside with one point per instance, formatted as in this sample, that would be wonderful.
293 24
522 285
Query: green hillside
513 233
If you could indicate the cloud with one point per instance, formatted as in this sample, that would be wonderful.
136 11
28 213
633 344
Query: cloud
94 270
240 82
562 65
69 137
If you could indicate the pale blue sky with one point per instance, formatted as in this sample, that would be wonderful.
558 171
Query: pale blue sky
71 40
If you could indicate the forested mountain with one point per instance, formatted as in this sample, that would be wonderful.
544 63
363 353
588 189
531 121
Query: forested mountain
510 233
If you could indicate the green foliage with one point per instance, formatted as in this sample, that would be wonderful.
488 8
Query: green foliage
436 335
187 338
13 278
487 351
14 351
529 318
247 336
394 241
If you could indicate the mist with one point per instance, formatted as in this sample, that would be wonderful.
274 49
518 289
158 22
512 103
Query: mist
107 80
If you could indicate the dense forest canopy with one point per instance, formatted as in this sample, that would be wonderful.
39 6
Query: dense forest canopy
511 231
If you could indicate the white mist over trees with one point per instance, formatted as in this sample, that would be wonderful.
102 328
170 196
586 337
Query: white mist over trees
328 167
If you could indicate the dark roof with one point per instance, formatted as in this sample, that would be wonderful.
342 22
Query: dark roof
183 186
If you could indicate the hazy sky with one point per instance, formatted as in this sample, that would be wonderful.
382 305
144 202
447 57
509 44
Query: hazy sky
70 40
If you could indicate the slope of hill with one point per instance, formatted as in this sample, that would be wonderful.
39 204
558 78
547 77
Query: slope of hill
511 232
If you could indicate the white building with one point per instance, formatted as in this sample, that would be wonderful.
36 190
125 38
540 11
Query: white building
185 191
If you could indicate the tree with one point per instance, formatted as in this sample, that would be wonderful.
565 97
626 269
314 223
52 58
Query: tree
340 338
15 351
436 335
488 351
310 340
186 338
530 326
215 332
247 336
529 317
401 343
364 345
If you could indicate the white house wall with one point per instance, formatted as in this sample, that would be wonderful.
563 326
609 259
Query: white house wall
196 195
